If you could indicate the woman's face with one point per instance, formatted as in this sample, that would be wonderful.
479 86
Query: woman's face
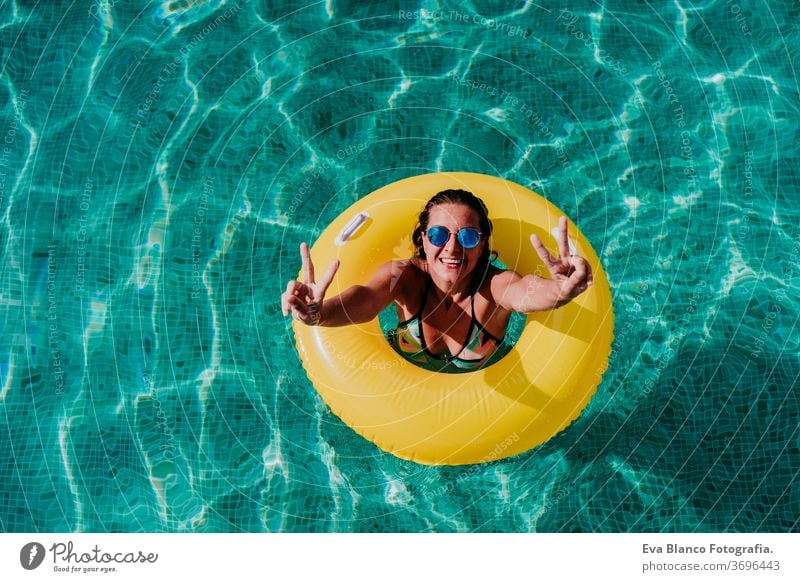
452 262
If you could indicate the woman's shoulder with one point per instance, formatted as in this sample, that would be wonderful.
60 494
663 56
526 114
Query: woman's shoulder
496 282
417 266
414 271
407 268
496 275
402 274
406 282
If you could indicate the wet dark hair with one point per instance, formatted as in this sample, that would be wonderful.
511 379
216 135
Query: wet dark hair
484 224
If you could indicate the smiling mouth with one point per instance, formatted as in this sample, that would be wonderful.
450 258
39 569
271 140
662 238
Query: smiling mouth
452 262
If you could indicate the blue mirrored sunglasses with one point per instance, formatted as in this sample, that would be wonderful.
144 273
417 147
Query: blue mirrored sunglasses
468 237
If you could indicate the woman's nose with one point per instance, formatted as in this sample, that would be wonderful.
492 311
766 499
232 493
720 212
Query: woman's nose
452 244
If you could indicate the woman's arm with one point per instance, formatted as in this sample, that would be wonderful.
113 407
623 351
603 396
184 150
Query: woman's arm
572 275
305 300
362 303
533 293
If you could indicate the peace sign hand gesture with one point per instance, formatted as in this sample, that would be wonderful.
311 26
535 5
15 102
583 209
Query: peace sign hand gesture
304 299
572 273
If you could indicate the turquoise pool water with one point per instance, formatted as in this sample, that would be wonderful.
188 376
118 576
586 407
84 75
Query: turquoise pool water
159 166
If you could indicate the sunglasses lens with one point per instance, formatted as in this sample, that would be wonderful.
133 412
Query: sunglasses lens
469 237
438 235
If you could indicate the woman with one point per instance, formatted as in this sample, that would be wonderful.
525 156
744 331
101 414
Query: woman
453 305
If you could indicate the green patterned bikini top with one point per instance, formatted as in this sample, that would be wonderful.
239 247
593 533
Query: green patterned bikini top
409 341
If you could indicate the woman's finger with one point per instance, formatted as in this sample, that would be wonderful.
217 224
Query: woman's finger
291 291
298 289
542 250
563 237
583 267
285 304
579 275
298 305
308 266
567 289
325 282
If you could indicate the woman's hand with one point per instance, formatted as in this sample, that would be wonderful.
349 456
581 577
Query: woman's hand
572 273
304 300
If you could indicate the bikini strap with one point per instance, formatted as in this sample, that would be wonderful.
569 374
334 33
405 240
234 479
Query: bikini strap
418 314
472 307
477 323
424 298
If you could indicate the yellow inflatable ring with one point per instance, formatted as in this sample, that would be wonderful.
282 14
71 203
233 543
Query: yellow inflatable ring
507 408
